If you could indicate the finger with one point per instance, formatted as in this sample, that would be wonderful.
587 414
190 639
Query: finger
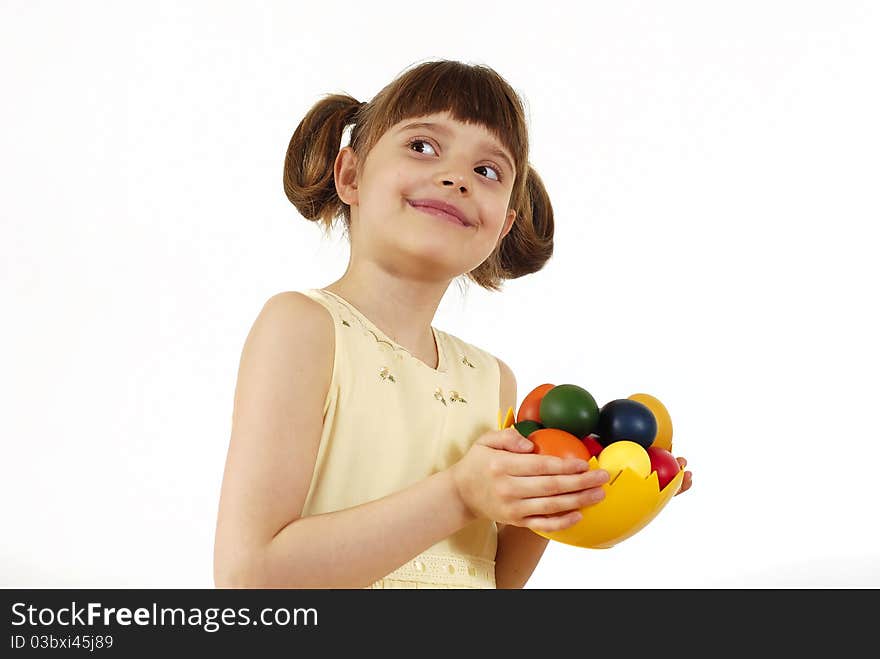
541 465
508 439
551 523
686 482
560 503
528 487
682 462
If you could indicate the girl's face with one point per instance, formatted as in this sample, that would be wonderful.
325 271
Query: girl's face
428 159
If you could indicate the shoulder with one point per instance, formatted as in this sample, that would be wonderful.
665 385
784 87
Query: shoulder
291 323
476 354
297 312
286 365
288 306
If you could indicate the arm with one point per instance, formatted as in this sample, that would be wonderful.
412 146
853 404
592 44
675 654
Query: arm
261 539
519 548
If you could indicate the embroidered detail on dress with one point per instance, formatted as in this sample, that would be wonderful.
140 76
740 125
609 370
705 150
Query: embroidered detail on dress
438 394
455 397
351 312
464 360
383 341
386 375
429 570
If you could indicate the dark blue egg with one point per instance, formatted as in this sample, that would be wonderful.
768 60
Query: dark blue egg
628 419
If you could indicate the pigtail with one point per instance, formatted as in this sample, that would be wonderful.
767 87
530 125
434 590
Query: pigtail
528 245
308 165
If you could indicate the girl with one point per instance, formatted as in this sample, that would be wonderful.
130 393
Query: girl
364 448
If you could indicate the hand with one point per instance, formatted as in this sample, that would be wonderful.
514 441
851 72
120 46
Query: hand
499 478
687 479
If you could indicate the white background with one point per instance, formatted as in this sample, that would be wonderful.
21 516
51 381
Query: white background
713 169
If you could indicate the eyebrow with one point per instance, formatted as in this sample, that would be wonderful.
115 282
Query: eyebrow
440 128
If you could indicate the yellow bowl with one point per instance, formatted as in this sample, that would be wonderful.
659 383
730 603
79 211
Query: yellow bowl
630 503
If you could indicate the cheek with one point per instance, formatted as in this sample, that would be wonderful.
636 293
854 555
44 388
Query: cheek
376 195
390 187
406 182
495 216
395 174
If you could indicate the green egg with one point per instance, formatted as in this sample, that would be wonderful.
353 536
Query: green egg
571 408
526 428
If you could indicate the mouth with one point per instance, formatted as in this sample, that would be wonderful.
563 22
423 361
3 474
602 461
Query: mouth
440 213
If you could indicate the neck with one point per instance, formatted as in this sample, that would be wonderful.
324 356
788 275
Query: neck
402 308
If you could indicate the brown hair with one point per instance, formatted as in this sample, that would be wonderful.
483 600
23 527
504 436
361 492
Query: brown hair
471 94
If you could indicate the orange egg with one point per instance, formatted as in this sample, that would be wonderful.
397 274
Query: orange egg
552 441
530 408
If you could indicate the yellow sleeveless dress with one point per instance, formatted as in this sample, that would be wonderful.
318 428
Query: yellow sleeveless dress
390 420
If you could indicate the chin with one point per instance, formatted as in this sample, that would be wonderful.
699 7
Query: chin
432 259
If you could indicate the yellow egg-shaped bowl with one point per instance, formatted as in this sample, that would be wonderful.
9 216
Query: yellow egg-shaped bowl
631 502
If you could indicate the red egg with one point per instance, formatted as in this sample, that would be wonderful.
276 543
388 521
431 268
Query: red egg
664 463
593 445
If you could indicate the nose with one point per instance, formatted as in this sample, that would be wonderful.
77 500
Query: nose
457 181
455 176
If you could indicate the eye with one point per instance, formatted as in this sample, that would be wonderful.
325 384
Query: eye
490 167
419 140
493 168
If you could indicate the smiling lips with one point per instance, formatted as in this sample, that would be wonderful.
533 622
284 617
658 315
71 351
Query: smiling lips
441 209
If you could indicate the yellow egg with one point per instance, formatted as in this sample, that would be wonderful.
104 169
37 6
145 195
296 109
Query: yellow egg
623 454
663 438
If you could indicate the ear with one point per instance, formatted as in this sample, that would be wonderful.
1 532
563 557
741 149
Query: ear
345 175
508 223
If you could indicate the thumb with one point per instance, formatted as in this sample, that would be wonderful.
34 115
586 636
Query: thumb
508 439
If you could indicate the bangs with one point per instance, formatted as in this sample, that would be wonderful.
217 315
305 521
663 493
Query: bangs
469 93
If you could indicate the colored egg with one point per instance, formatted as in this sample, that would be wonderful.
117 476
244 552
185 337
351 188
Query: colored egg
664 463
625 419
663 438
529 409
570 408
527 427
593 445
624 454
552 441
